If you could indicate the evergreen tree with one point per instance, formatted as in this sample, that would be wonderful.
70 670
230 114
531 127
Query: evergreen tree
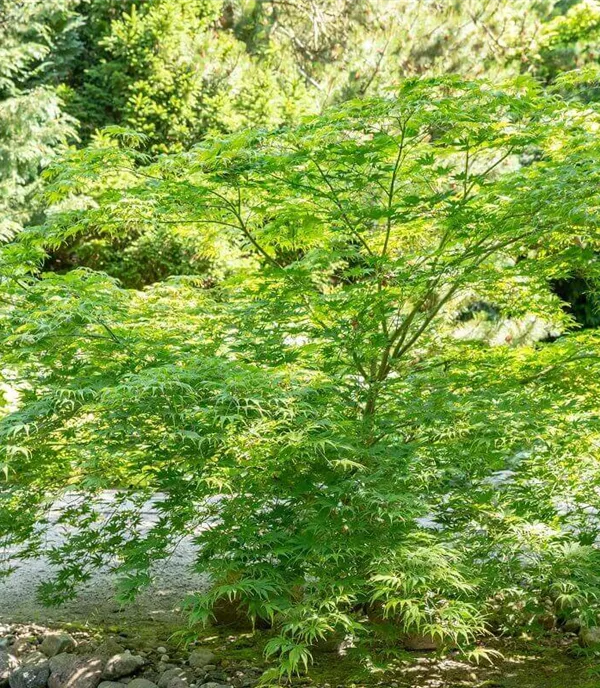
33 126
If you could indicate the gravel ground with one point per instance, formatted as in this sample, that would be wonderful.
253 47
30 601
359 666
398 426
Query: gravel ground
96 602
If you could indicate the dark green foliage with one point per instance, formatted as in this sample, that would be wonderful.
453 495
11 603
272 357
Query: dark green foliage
569 41
171 70
581 299
33 127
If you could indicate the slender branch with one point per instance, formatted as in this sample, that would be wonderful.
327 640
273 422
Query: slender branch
350 226
399 351
236 210
574 358
391 190
466 173
377 67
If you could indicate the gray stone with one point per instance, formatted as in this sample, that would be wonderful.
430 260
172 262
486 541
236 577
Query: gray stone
33 673
142 683
201 657
109 648
420 642
60 667
123 664
59 663
178 682
56 643
77 672
110 684
590 637
216 685
8 663
170 674
572 626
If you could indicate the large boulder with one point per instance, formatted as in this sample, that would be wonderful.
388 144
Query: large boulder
33 672
8 663
57 643
200 657
123 664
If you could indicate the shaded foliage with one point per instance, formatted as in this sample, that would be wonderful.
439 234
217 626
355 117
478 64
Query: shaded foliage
33 127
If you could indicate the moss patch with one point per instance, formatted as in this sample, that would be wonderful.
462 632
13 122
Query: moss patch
549 661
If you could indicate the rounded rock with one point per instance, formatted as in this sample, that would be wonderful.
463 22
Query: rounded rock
200 658
590 637
33 673
75 672
419 642
109 648
142 683
20 647
572 626
57 643
123 664
177 682
60 667
170 674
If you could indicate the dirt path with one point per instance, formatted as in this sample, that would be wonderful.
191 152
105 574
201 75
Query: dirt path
96 602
